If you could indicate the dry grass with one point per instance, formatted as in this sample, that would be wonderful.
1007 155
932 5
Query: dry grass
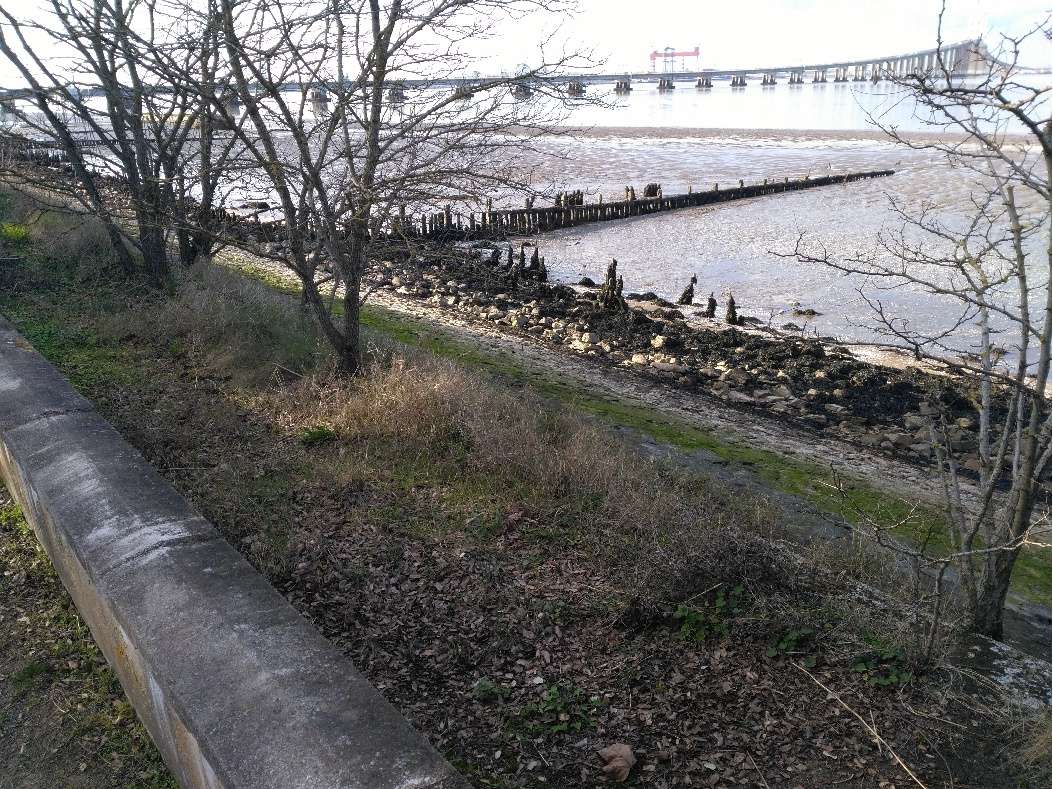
231 325
74 243
665 532
1035 753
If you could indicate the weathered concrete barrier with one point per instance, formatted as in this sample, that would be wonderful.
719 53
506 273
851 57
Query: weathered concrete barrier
235 687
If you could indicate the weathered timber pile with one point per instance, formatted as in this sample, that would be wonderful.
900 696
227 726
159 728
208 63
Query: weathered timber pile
447 226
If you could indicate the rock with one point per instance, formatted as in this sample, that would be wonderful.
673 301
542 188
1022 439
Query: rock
518 321
973 464
965 423
661 341
835 408
839 393
901 440
791 327
740 397
871 439
669 367
923 449
782 390
736 377
915 422
586 282
639 358
817 419
820 375
720 388
618 760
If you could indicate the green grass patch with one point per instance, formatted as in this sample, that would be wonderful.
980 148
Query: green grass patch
14 234
86 359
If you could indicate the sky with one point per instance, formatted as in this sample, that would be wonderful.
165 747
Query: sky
749 33
732 33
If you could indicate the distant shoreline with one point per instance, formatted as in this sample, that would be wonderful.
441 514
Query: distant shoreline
685 132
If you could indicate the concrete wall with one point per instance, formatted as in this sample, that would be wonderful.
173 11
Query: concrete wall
235 687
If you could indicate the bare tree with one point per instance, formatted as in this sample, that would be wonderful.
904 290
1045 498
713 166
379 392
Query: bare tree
108 97
994 264
356 115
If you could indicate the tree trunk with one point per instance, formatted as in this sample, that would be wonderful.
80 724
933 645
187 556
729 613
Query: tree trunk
120 249
155 255
990 604
351 353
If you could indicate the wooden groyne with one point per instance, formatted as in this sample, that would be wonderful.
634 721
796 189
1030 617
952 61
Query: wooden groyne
448 226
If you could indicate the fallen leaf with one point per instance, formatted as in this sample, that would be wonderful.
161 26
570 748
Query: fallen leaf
618 761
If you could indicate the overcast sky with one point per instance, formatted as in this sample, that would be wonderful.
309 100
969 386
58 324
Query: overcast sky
738 33
747 33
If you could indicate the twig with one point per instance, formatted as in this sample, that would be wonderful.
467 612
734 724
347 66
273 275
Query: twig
755 767
869 728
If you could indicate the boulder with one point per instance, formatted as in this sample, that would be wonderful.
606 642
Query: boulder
736 377
923 449
669 367
915 422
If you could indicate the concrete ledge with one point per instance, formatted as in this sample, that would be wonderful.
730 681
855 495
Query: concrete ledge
235 687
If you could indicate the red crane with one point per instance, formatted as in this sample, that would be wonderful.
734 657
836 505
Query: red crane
669 55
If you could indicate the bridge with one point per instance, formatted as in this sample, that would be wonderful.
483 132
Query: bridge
962 59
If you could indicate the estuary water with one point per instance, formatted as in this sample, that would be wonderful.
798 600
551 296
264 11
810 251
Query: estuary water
695 139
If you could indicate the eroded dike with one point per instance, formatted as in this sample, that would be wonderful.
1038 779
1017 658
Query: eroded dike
234 686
